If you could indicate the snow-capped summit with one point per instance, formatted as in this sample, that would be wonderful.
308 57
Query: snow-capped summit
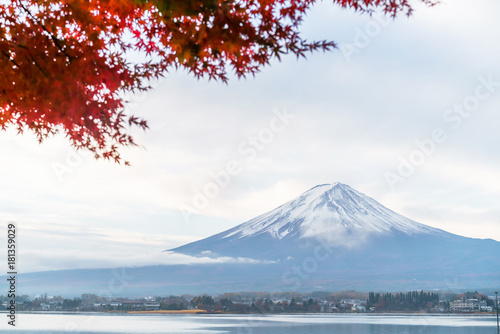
332 213
326 211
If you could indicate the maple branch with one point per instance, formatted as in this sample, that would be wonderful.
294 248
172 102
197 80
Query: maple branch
9 58
206 37
56 41
38 66
31 57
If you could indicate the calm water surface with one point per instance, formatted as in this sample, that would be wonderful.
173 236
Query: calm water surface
249 324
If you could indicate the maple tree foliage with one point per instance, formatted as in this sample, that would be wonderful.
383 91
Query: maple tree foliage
64 64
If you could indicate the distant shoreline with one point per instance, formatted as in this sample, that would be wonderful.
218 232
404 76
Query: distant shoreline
174 312
204 312
306 313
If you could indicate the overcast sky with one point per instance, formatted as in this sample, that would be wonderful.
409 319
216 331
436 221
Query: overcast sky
406 111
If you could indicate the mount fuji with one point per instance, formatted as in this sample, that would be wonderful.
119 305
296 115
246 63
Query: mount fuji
333 236
330 238
333 214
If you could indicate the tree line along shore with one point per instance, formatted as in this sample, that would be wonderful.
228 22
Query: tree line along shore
264 302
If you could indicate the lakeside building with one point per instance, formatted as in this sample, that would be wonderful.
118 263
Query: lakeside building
142 305
116 303
468 305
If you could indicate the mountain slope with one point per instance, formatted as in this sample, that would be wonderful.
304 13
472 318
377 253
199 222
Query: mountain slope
330 238
332 213
334 236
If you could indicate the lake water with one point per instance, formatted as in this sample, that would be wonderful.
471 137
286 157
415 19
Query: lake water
249 324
